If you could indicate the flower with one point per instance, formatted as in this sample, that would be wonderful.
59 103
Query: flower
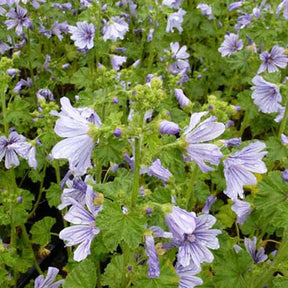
23 83
153 261
266 95
83 35
187 276
78 127
284 139
19 20
206 10
242 209
250 246
117 61
84 230
41 282
181 65
175 20
158 171
272 60
191 234
59 28
16 145
284 175
181 97
280 7
194 136
209 202
235 5
172 3
169 127
230 45
115 28
239 166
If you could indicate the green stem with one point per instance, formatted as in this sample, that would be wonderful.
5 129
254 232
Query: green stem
98 270
126 256
30 215
243 124
283 122
4 111
28 243
190 189
137 157
98 172
30 64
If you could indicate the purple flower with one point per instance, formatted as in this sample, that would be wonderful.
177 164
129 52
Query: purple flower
19 20
23 83
232 142
117 132
285 11
172 3
45 94
272 60
266 95
158 171
284 175
153 261
206 10
59 28
41 282
83 35
242 210
250 246
239 166
115 28
175 20
193 236
187 276
182 99
230 45
84 230
195 134
78 127
235 5
243 21
168 127
181 57
4 47
16 145
284 139
209 202
117 61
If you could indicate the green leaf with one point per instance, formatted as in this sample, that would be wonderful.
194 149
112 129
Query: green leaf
117 226
83 275
53 194
280 282
226 216
41 230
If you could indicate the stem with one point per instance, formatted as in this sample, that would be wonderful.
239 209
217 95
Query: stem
98 270
39 195
30 64
190 188
135 187
98 172
28 243
243 125
4 111
283 122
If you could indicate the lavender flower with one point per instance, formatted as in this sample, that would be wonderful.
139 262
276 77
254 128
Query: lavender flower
23 83
45 94
175 20
209 202
206 10
16 145
266 95
284 175
84 230
181 57
59 28
283 4
232 142
19 20
187 276
117 61
239 166
250 246
182 99
153 261
235 5
230 45
115 28
78 127
195 136
41 282
272 60
284 139
242 210
172 3
193 236
4 47
168 127
83 35
158 171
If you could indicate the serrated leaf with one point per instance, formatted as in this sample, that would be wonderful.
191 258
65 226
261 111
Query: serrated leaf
226 216
117 226
280 282
41 230
114 272
83 275
53 195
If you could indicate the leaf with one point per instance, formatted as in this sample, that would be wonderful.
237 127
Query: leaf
53 194
41 230
280 282
83 275
83 78
117 226
226 216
